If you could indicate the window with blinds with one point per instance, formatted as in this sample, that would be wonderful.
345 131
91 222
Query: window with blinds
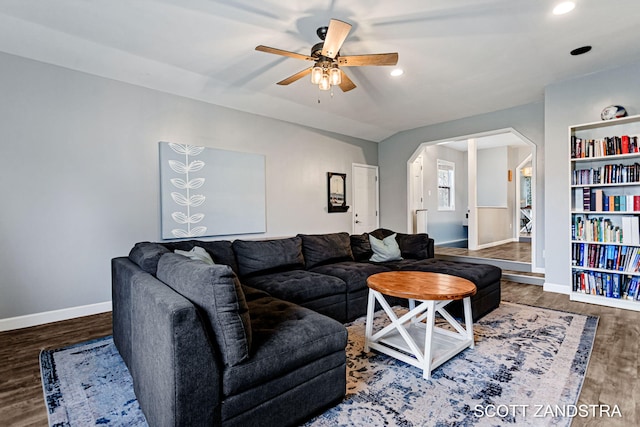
446 185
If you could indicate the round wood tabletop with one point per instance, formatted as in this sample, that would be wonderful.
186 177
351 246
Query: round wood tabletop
421 285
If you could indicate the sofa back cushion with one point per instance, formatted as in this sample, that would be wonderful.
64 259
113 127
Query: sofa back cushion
360 247
146 255
413 246
319 249
267 256
219 250
385 250
216 291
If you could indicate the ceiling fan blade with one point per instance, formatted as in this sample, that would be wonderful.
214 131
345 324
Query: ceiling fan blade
346 85
374 59
295 77
275 51
336 34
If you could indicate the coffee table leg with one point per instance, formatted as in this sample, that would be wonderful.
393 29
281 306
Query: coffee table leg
468 319
368 332
431 315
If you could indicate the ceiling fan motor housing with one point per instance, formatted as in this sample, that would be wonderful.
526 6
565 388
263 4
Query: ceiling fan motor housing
316 50
322 32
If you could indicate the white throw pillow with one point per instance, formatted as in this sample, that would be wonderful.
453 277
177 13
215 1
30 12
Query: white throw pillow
198 254
386 249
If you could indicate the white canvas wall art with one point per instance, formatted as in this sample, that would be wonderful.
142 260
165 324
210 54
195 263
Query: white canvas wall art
210 192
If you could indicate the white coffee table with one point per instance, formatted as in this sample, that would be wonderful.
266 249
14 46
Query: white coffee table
414 338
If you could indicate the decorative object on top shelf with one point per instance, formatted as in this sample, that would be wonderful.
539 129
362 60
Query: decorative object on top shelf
613 112
337 192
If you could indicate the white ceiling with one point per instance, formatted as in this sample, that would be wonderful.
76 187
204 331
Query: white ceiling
461 57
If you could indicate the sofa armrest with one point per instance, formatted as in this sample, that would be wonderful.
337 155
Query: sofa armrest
176 375
431 251
122 273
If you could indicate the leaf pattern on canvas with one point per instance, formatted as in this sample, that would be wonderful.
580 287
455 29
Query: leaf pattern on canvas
187 183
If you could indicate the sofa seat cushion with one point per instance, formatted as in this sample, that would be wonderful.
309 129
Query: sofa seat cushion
265 256
397 265
320 249
215 291
353 273
286 337
481 275
298 286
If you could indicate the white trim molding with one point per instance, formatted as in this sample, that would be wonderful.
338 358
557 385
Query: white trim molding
554 287
35 319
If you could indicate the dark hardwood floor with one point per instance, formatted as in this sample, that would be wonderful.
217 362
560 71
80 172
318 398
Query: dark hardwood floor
21 397
612 376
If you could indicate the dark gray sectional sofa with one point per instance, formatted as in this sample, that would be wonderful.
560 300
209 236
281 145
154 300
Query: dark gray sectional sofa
258 338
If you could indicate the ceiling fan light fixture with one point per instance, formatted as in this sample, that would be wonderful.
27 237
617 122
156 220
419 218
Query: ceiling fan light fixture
335 76
324 82
397 72
316 75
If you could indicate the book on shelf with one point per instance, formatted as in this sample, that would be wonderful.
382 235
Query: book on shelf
598 196
631 230
586 199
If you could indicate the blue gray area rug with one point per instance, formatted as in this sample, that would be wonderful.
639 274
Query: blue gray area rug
527 367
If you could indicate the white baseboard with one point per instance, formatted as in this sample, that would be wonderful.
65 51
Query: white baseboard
559 289
53 316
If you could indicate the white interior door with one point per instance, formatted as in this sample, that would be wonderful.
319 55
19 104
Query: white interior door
365 198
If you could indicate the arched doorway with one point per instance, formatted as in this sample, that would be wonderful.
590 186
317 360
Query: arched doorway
487 204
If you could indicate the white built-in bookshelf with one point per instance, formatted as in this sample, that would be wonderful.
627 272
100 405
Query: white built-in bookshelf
605 212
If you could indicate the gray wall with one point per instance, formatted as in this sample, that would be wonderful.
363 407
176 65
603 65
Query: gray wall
394 152
568 103
79 176
492 167
445 226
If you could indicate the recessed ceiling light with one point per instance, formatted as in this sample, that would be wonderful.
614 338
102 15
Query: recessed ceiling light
580 50
564 7
397 72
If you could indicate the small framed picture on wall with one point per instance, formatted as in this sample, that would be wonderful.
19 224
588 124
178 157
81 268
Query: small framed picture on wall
337 192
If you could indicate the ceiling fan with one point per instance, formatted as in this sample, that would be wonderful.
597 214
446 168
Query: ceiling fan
326 56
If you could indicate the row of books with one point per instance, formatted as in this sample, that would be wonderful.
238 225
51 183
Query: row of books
610 285
595 230
608 146
606 257
588 200
603 230
607 174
